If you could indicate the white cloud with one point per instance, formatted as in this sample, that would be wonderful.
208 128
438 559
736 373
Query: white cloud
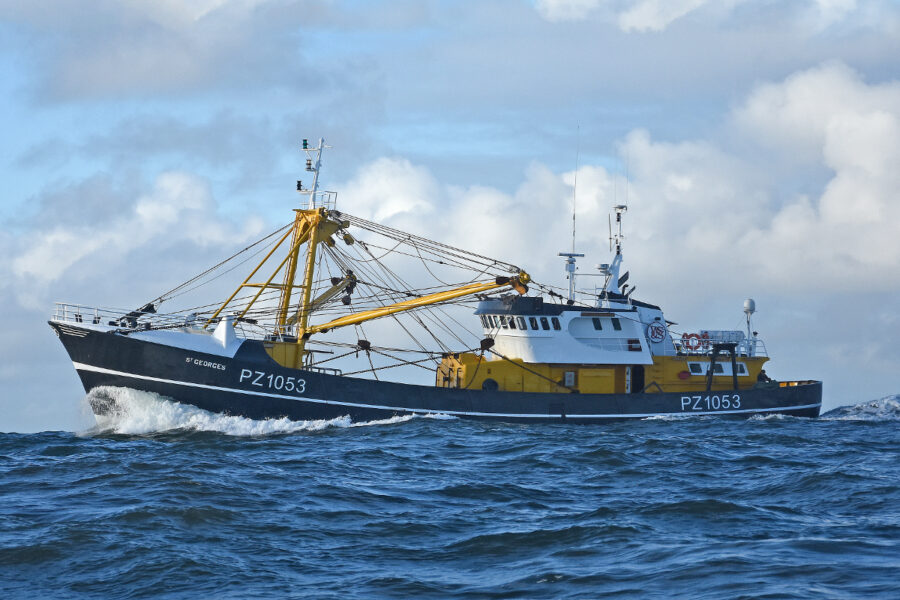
849 236
832 11
566 10
183 14
139 46
179 209
644 16
630 16
387 189
656 15
800 116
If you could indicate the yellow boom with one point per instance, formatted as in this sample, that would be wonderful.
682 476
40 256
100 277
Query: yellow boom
518 283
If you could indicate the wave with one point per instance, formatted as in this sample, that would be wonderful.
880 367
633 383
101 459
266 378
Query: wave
668 417
136 412
770 417
884 409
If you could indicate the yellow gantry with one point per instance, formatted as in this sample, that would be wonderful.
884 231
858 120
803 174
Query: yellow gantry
310 226
313 227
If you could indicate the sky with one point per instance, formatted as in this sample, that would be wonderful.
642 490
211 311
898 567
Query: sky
756 142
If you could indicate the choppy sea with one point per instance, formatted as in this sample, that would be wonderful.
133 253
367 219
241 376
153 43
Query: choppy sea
167 501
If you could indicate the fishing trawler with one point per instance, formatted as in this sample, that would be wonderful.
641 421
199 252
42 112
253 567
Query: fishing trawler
291 339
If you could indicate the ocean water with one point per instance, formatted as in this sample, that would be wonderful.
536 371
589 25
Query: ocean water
172 502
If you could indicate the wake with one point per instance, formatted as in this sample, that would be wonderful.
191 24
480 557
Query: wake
135 412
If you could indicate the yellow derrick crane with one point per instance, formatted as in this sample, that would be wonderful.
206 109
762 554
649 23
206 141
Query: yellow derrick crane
316 226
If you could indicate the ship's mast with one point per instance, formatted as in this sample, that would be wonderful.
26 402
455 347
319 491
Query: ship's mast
305 227
612 280
314 169
570 269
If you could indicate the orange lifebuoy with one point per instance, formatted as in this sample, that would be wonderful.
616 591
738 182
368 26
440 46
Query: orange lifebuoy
691 341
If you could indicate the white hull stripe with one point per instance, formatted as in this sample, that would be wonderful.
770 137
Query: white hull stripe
84 367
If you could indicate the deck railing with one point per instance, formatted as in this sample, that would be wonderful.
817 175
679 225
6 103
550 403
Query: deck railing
135 320
746 347
121 318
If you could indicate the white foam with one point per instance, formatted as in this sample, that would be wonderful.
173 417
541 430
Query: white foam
884 409
139 412
769 417
388 421
668 417
439 416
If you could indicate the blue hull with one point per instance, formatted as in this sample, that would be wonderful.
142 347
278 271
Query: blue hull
252 385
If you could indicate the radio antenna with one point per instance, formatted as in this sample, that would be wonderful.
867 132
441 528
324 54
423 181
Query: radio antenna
575 183
571 256
627 174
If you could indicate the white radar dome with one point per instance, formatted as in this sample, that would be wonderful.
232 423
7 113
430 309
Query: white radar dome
749 306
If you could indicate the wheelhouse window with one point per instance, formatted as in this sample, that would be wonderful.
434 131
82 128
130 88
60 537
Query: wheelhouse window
597 325
723 368
504 322
533 322
545 324
520 321
617 324
555 322
512 322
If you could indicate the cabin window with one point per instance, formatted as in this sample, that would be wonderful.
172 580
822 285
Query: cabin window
617 325
512 322
742 369
533 322
718 368
496 322
555 322
696 368
504 321
545 324
596 322
520 321
484 322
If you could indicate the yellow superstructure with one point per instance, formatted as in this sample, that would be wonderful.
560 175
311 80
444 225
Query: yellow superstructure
666 374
